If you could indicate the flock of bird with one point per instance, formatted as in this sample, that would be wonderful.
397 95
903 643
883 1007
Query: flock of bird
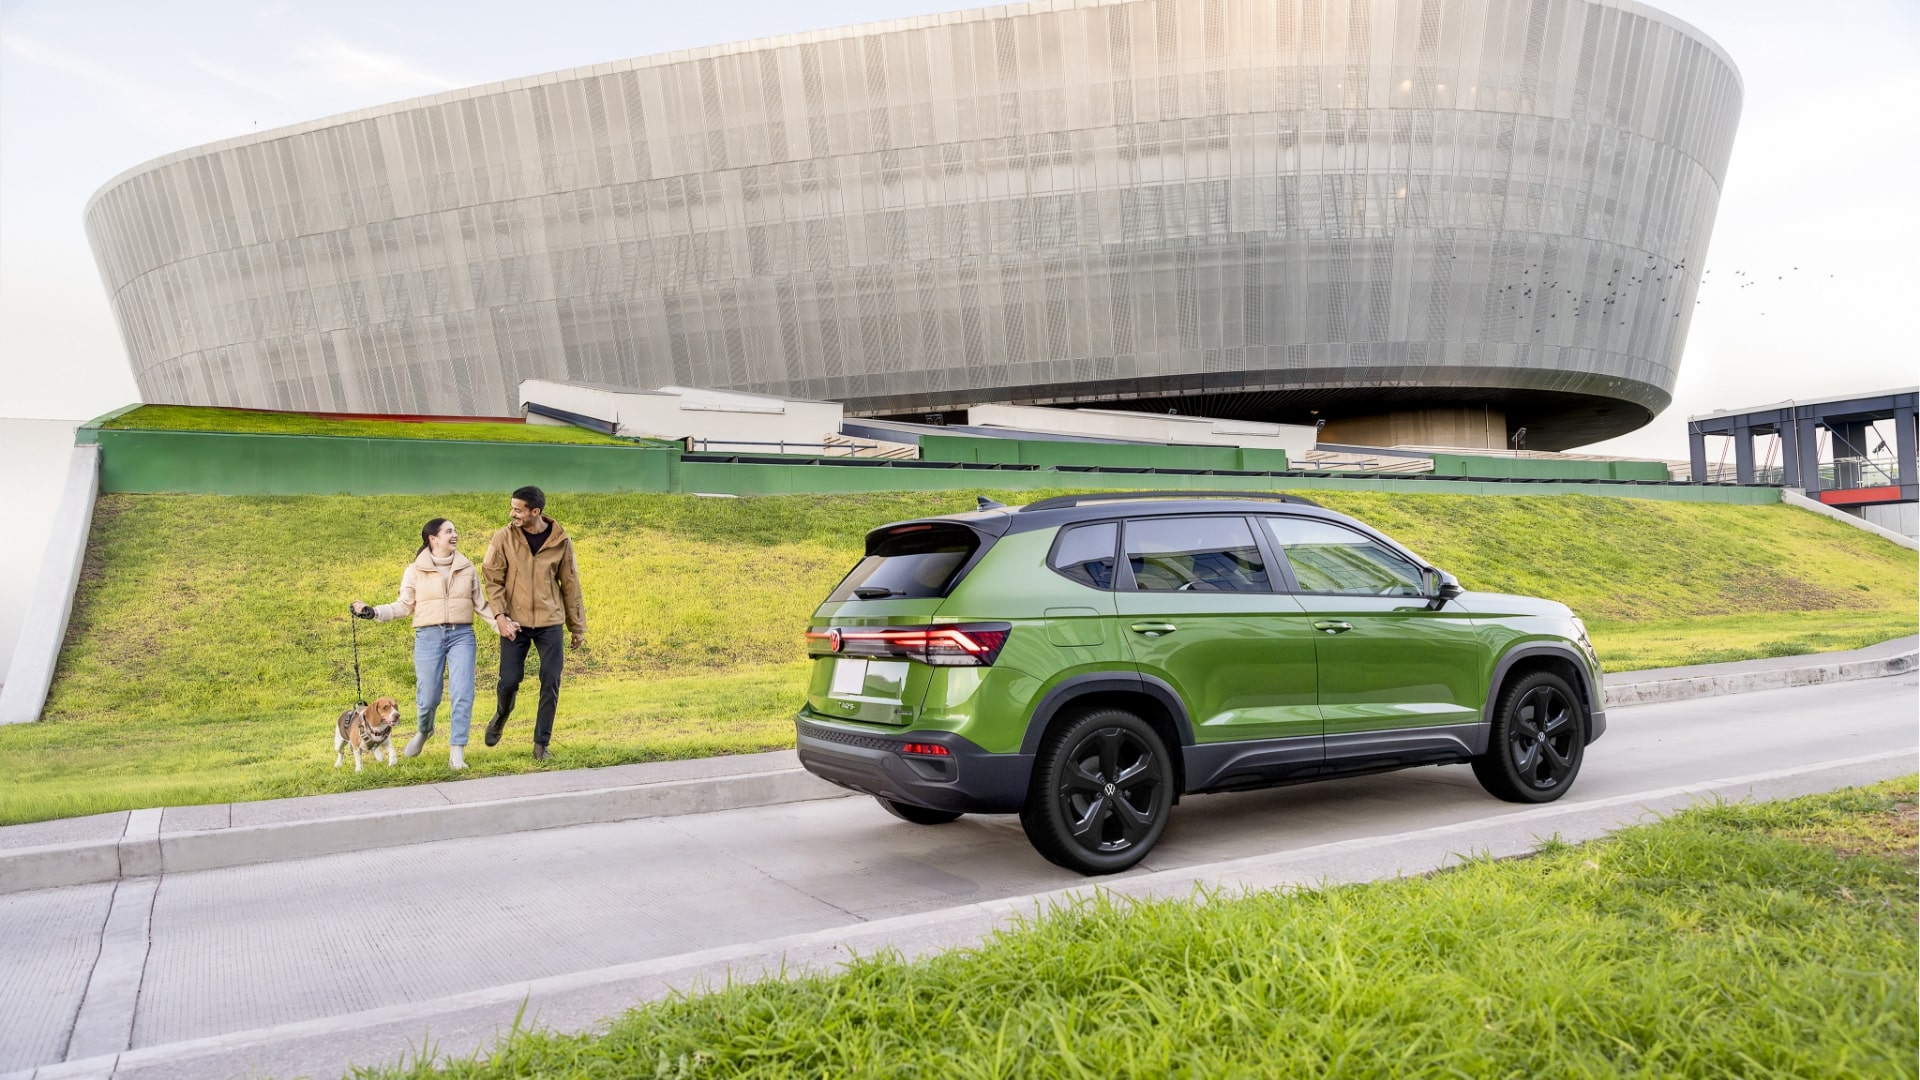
1663 281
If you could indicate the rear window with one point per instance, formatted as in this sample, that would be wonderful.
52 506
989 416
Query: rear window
914 562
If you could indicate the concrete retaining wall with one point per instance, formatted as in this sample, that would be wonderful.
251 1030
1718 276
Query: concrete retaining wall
30 675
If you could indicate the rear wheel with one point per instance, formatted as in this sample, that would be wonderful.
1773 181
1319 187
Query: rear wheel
1102 791
1538 740
919 815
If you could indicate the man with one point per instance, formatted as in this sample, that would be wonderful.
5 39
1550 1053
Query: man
534 587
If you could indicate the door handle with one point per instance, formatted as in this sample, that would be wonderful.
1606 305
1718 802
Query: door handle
1333 627
1153 629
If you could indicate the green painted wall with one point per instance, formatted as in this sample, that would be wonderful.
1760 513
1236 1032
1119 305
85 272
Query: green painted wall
753 479
1048 453
1546 468
221 463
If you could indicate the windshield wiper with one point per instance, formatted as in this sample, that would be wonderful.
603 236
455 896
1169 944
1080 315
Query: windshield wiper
874 592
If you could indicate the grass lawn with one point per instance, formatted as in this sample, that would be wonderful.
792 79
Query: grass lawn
210 645
255 422
1731 940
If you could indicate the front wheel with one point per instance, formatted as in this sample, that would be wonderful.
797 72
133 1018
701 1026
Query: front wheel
919 815
1538 740
1102 790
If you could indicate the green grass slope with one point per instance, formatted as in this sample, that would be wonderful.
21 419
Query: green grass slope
210 645
255 422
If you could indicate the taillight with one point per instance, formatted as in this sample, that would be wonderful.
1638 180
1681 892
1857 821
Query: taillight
953 645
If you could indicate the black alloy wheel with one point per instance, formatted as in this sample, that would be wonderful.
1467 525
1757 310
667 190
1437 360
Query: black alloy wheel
1102 790
1538 741
919 815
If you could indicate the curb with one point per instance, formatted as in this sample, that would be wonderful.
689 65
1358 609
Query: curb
143 850
1687 687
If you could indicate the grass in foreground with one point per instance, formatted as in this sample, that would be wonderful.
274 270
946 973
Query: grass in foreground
1732 940
256 422
210 647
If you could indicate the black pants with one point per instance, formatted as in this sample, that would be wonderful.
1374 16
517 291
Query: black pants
513 668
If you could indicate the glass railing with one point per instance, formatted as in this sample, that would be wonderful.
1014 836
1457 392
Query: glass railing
1861 472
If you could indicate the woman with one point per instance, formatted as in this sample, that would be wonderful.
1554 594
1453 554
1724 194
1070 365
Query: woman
442 591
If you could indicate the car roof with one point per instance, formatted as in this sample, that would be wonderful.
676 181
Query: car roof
1050 513
1108 506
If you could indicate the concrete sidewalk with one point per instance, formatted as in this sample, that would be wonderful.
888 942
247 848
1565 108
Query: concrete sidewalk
141 843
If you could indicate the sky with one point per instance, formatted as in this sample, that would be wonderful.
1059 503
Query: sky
1817 207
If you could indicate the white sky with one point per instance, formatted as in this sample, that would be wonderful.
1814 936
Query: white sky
1821 177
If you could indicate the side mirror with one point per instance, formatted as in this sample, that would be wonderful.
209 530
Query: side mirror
1441 587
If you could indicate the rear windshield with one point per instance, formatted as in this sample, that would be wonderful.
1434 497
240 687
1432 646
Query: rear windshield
914 562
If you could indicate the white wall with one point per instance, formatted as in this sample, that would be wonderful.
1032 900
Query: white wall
1295 439
1903 518
36 453
675 412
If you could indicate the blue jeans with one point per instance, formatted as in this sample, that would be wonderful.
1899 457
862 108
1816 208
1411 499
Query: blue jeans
448 651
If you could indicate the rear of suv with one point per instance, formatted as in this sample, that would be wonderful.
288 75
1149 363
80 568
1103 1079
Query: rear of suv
1084 661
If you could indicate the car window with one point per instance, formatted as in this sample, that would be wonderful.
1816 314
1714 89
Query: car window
1194 554
914 562
1085 554
1329 559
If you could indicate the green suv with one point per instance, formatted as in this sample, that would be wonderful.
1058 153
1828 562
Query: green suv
1084 661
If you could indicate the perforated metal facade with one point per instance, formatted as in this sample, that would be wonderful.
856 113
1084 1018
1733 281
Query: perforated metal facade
1240 207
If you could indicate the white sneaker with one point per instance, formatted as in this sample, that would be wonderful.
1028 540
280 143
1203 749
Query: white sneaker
414 744
456 757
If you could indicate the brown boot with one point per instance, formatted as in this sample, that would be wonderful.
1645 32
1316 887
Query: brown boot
540 752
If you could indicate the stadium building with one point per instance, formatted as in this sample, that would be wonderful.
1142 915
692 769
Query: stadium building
1420 221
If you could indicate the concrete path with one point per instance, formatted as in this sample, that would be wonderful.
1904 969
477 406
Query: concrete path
302 966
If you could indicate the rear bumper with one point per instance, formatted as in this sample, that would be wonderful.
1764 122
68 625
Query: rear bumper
966 779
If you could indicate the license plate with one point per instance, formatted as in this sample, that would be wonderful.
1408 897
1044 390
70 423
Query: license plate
849 677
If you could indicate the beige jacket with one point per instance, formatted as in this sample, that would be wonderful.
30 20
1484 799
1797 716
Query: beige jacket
438 594
532 589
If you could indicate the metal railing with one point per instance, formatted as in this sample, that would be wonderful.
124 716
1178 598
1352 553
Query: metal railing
1862 472
827 448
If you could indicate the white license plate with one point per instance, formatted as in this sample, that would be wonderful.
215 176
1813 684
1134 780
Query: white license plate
849 677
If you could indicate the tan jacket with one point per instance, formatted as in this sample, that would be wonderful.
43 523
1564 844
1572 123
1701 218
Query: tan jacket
434 596
532 589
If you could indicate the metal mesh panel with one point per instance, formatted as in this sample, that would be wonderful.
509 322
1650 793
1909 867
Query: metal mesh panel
1066 201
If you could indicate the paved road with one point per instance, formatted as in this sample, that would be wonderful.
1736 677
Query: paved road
90 970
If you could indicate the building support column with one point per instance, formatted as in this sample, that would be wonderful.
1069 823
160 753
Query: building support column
1697 450
1849 454
1809 428
1903 449
1743 454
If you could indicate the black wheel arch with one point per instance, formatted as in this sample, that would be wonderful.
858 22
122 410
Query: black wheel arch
1560 658
1150 698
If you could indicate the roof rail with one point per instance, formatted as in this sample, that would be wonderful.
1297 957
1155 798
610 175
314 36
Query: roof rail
1060 501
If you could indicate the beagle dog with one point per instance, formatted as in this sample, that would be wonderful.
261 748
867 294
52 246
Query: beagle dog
365 728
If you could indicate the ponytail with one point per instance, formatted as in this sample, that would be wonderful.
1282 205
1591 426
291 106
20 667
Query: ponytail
426 532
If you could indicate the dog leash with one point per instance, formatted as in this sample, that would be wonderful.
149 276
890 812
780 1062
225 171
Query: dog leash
360 696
